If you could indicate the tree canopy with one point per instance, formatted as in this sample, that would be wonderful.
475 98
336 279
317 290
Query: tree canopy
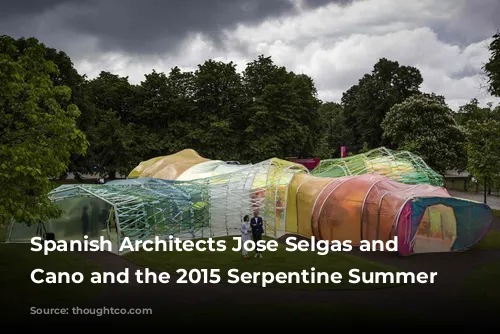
484 151
492 67
366 103
38 130
425 126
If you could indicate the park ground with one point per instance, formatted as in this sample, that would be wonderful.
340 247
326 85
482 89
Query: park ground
466 287
491 200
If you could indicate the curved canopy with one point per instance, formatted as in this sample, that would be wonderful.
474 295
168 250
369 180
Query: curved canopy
201 170
137 209
402 166
374 196
374 207
168 167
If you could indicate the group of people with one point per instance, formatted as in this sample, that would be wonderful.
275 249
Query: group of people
252 228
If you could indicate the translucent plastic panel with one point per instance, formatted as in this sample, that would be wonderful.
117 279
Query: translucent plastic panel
401 166
473 221
168 167
200 171
82 216
339 217
437 231
20 232
142 166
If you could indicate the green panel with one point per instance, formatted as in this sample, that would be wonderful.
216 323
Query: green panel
403 166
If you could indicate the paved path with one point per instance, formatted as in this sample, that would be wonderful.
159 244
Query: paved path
492 201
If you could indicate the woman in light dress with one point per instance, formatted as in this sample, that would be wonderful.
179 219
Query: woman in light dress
246 234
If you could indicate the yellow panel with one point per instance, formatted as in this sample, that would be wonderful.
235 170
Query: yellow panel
443 222
168 167
280 205
172 171
435 220
302 194
142 166
156 167
291 205
437 230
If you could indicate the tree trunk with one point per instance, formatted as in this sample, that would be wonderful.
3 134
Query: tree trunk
485 190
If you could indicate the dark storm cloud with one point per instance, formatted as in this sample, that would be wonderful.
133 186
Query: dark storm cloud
25 7
146 26
475 20
156 26
320 3
153 25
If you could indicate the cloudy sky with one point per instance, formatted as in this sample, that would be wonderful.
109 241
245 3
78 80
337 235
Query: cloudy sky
333 41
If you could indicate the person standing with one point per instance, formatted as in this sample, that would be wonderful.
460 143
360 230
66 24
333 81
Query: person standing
245 234
85 222
257 225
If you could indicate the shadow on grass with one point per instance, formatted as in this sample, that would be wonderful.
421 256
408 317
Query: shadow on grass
273 262
490 242
298 313
483 286
19 293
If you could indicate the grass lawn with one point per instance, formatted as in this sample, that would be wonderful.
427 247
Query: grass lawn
277 314
19 293
482 285
496 213
280 261
490 242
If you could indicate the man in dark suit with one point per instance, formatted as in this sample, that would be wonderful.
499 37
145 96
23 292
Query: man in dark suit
257 226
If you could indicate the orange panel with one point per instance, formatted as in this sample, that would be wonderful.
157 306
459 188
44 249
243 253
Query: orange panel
302 197
324 203
340 217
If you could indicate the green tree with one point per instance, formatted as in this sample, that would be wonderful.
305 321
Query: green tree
365 148
484 152
334 131
219 101
83 164
117 146
37 135
116 143
110 91
166 107
492 67
367 103
426 126
283 111
473 112
184 107
67 75
435 97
